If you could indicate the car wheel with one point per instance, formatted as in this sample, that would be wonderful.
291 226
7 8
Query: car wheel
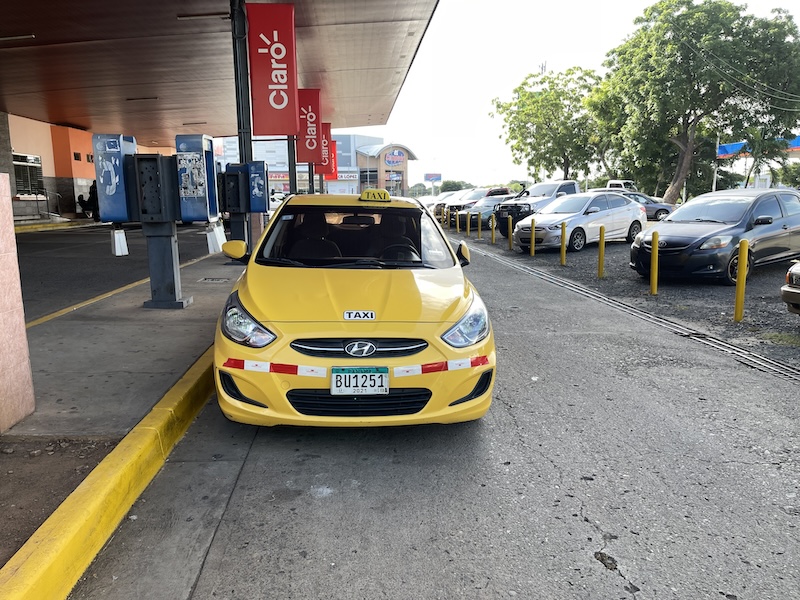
732 270
633 231
660 214
577 241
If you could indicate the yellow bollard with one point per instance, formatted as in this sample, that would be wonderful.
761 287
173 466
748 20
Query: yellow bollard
563 243
654 265
741 280
479 226
510 239
601 255
458 225
533 237
467 219
444 217
492 225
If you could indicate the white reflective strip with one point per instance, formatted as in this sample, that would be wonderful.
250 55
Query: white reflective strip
312 371
462 363
406 371
254 365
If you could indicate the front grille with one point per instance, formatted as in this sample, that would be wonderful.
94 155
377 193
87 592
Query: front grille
320 403
334 347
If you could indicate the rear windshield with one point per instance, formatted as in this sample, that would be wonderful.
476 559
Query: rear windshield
355 237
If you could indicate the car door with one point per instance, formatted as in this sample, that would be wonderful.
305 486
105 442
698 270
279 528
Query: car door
790 203
769 241
592 222
621 210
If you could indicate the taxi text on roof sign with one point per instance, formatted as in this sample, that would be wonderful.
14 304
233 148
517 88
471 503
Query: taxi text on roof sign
377 194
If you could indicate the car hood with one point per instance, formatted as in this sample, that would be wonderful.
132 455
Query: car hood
287 294
687 231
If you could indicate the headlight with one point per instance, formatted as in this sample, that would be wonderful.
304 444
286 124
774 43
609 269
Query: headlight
525 207
239 326
556 227
472 328
637 241
718 241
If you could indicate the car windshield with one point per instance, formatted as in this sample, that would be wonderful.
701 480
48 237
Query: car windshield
721 209
474 195
486 202
570 204
542 189
355 237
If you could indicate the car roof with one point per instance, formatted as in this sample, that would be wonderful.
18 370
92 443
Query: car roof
351 200
742 192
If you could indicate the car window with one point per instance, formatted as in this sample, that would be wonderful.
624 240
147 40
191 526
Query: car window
566 188
791 204
542 189
599 202
768 207
342 235
616 201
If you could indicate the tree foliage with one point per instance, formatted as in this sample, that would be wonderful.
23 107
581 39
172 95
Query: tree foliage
701 67
448 185
546 123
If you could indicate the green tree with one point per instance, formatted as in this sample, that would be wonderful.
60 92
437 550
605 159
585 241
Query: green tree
790 175
546 123
417 190
701 66
448 185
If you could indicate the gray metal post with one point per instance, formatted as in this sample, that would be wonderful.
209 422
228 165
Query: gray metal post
292 144
165 273
310 178
240 224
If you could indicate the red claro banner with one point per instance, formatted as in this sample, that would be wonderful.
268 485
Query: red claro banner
309 146
273 69
335 174
325 167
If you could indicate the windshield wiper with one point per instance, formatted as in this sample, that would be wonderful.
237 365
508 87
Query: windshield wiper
278 260
708 221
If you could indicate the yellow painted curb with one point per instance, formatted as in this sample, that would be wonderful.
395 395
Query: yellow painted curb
57 554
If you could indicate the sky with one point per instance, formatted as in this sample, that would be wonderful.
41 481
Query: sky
478 50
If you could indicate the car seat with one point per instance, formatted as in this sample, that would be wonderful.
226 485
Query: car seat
312 242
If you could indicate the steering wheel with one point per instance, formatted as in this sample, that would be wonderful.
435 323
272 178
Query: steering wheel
400 252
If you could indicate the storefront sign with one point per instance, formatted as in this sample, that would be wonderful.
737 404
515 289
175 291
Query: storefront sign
394 158
334 175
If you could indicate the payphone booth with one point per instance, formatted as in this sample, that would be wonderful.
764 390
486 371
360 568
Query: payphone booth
113 164
243 190
196 186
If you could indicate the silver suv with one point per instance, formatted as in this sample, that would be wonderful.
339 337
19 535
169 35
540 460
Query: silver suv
530 200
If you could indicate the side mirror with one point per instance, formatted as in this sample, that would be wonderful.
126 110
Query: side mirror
559 194
462 253
591 210
763 220
237 250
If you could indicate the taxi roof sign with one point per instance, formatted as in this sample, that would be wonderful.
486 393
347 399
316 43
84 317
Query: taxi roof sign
378 194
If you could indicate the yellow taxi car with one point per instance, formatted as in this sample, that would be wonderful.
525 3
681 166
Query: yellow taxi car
353 311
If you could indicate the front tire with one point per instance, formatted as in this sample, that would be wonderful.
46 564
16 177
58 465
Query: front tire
732 270
577 241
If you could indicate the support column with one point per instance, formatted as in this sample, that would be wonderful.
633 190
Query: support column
16 380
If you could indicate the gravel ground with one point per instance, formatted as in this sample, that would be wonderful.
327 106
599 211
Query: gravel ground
767 328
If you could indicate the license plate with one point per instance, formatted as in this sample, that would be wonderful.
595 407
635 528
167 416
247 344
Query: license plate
503 214
356 381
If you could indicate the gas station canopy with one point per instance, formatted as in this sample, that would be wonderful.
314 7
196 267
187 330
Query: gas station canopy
154 69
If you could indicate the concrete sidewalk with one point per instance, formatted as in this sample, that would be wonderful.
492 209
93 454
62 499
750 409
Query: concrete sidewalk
114 369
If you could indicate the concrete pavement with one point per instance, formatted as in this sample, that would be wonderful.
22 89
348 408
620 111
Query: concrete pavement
110 367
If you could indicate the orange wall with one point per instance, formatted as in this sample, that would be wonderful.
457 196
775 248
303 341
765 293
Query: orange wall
66 142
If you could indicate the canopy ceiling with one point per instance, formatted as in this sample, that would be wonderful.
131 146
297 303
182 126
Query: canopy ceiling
157 68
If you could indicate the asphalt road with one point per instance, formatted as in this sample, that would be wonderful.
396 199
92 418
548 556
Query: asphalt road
62 267
619 460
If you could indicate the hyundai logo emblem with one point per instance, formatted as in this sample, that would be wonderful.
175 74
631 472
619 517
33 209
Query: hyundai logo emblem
360 349
662 243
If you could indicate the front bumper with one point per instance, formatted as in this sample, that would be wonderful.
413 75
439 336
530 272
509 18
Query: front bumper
791 295
711 264
280 386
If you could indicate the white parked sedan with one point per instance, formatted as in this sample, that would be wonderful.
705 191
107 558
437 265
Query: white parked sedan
583 214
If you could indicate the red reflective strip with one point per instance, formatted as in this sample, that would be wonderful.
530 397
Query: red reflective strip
434 367
285 369
234 363
477 361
